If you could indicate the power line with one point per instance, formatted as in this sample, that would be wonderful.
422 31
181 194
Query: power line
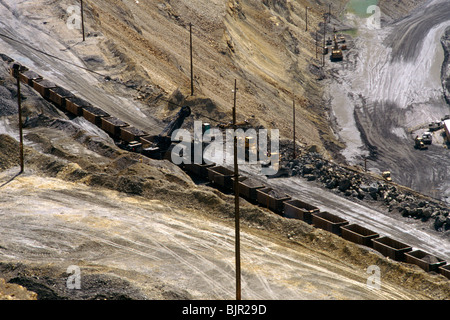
87 69
51 55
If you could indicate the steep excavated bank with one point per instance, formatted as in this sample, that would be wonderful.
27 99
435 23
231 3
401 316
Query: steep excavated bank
389 91
141 229
164 217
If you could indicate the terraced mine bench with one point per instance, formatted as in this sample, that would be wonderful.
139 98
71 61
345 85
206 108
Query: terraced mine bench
112 125
28 77
391 248
94 115
221 176
59 95
43 87
297 209
75 105
424 260
328 221
271 199
130 134
357 234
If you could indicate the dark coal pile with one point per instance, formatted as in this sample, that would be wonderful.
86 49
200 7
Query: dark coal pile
276 194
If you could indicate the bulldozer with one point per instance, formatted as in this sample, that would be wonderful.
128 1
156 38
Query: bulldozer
387 175
336 52
419 144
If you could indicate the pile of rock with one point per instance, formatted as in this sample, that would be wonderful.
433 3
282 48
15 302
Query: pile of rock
351 183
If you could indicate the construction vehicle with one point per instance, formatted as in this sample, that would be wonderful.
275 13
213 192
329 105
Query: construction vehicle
436 125
230 124
387 175
162 143
427 138
419 144
336 52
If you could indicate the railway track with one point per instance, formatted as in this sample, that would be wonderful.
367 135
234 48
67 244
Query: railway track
221 178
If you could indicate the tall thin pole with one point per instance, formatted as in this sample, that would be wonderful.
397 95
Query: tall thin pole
192 63
306 20
317 43
236 205
293 116
324 35
82 20
329 12
16 68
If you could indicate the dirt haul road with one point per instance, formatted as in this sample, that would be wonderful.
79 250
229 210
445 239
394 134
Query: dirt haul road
388 90
52 224
147 248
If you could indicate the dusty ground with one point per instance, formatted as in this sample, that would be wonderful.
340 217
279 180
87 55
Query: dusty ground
144 230
388 90
157 235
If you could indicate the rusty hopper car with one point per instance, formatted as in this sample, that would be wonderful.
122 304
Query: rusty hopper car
248 187
221 176
59 95
112 125
357 234
445 270
43 87
329 222
200 170
130 134
391 248
94 115
28 77
296 209
75 105
269 198
424 260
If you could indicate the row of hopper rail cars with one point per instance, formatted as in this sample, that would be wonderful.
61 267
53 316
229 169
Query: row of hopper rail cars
249 189
126 136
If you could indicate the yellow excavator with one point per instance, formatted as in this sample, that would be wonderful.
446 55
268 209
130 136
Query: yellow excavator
336 52
419 144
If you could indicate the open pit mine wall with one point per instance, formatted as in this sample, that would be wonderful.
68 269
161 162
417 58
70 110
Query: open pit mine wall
445 73
222 178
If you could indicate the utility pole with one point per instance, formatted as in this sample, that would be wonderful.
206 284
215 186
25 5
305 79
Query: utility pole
317 43
16 70
293 116
192 64
236 205
306 20
82 20
329 12
324 35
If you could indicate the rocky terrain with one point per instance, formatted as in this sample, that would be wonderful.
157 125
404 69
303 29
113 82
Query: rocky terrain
144 229
446 66
353 182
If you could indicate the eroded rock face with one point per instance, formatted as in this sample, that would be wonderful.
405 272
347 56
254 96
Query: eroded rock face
445 74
